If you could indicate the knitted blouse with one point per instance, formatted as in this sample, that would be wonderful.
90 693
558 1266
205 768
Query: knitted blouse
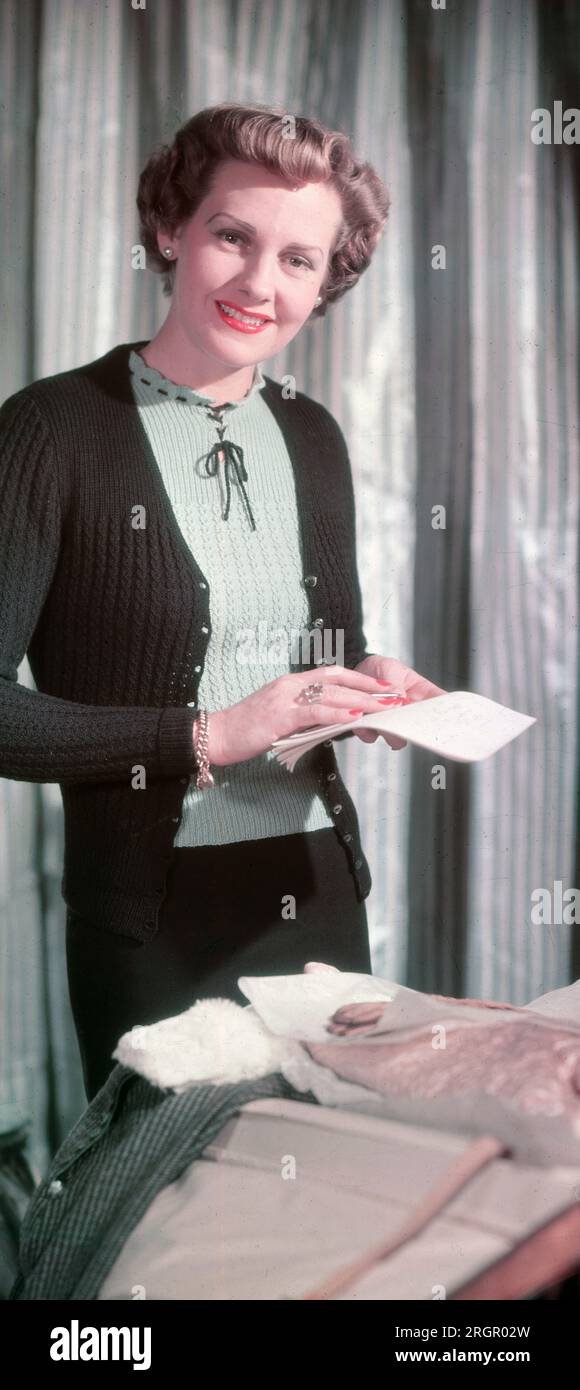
259 602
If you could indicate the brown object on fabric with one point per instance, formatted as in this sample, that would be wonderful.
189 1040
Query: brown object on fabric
357 1018
544 1258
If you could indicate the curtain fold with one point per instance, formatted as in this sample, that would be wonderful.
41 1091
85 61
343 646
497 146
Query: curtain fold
452 369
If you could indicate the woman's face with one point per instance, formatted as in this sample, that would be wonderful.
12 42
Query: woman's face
256 245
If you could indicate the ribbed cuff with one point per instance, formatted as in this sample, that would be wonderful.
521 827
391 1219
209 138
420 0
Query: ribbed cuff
175 740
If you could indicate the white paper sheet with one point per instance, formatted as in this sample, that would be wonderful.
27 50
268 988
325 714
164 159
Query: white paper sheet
459 725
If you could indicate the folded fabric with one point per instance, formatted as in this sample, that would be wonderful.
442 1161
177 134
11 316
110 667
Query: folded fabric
559 1003
519 1081
468 1065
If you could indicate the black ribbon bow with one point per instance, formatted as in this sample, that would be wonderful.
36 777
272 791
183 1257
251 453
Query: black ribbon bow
232 456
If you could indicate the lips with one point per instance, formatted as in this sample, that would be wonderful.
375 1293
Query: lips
238 324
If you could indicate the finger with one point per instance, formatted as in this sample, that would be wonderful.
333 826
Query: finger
419 688
344 698
321 713
341 676
415 686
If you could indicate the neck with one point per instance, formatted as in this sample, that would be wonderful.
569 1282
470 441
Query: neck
179 361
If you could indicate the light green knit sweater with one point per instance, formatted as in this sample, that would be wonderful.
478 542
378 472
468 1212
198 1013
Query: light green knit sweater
257 600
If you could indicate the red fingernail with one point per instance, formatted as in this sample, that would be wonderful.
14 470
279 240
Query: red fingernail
355 711
381 682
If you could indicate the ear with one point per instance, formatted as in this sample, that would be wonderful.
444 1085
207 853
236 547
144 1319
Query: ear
164 234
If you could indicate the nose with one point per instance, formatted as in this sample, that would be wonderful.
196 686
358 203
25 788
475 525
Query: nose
255 295
256 284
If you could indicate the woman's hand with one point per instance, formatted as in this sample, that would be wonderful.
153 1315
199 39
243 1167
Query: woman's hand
401 679
250 727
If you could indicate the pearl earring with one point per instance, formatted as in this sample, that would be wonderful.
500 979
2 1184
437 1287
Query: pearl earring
319 300
168 251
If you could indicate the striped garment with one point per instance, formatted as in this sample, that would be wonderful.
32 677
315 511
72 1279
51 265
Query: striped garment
130 1142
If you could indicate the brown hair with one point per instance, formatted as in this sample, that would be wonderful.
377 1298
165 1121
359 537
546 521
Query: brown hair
178 177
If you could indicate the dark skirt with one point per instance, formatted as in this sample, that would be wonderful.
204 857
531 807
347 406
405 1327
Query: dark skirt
256 907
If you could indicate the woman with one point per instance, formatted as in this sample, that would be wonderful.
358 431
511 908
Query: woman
162 506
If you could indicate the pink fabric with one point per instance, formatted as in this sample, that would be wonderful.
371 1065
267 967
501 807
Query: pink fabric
537 1068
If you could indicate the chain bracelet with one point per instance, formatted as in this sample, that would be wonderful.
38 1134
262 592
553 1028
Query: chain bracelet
204 776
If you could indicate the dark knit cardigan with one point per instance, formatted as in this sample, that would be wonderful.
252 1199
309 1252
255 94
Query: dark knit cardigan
115 621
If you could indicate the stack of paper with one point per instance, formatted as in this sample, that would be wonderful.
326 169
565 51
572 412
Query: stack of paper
458 725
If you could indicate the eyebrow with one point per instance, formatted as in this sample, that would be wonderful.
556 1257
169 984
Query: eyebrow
298 244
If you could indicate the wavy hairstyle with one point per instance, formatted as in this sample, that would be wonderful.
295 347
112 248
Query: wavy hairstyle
178 177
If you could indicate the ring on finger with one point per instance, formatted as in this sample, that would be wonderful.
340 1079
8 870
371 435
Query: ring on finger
309 694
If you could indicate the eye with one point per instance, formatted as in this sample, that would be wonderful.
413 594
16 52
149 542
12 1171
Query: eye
228 232
239 237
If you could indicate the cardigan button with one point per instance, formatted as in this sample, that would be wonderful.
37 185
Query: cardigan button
337 809
55 1188
331 776
358 863
318 622
175 819
202 584
184 781
311 580
197 668
348 838
204 628
328 743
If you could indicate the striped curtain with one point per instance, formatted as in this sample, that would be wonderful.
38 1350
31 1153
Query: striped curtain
452 369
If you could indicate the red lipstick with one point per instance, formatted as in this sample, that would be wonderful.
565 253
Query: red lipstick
237 323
